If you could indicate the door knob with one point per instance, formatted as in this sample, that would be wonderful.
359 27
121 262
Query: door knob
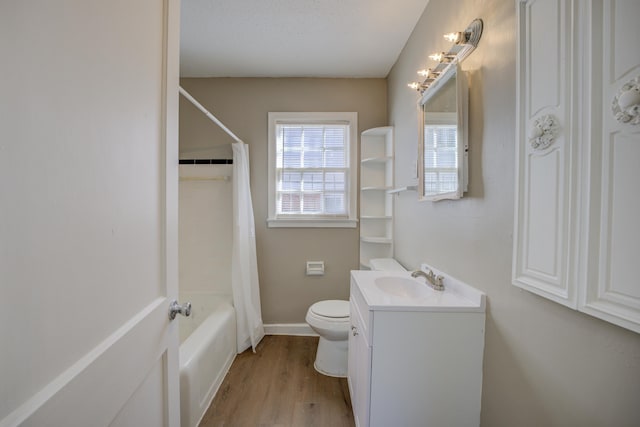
175 308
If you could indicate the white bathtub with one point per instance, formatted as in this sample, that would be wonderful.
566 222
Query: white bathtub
207 349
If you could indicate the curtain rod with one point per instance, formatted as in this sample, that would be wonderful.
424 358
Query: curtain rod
207 113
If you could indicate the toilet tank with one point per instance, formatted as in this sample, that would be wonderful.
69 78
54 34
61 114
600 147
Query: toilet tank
386 264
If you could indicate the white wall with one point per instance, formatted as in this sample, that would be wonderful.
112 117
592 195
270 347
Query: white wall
242 104
544 364
205 225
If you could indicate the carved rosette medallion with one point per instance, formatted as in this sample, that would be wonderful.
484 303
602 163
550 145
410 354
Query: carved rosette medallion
544 132
626 103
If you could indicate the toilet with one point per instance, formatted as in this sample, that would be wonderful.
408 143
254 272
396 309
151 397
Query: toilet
330 320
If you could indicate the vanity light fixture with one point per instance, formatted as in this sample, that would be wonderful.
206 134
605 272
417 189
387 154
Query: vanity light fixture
429 73
464 42
471 35
442 57
453 37
429 76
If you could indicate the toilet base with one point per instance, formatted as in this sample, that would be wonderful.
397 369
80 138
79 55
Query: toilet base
332 358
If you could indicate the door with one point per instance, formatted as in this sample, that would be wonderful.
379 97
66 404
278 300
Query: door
88 213
545 211
611 240
359 370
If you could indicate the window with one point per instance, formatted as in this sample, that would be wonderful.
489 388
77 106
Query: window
440 159
312 177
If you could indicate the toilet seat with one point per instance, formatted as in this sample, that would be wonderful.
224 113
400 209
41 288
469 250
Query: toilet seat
335 310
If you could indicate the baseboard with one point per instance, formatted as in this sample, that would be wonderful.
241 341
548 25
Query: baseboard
301 329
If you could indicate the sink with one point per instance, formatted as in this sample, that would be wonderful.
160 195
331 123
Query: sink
402 287
398 291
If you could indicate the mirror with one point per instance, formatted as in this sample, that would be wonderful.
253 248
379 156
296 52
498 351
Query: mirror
443 137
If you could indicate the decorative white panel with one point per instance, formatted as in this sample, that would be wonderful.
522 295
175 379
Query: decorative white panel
622 31
542 223
545 48
544 197
612 246
577 231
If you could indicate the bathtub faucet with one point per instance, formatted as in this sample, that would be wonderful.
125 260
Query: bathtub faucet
432 280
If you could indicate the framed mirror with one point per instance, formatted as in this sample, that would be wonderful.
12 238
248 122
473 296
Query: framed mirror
442 162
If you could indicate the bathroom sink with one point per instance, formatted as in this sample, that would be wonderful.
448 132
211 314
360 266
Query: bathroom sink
402 287
398 291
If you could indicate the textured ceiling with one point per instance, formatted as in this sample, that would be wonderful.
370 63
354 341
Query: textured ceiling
294 38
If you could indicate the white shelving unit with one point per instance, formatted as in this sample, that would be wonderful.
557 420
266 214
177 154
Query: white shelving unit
376 204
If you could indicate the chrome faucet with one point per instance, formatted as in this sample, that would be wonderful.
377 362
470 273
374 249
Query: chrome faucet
432 280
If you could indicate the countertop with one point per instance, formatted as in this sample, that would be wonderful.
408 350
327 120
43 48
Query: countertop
457 296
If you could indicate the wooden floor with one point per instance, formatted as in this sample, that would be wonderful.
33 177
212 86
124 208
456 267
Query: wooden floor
278 386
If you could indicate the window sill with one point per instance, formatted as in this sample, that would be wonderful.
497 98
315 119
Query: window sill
311 223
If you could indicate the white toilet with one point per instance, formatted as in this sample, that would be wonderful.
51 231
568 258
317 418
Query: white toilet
330 320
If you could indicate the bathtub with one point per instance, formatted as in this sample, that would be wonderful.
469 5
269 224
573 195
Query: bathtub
207 349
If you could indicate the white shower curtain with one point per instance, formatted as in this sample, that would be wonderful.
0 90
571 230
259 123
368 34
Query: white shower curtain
244 266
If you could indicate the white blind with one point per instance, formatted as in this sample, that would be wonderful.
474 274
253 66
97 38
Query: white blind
312 170
440 159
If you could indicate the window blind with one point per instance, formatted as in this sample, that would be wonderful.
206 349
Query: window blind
312 170
440 158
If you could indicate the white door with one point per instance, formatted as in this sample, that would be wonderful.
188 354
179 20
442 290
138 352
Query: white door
88 212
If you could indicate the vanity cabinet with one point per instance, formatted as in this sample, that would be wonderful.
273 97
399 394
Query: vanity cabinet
576 237
376 205
359 366
413 367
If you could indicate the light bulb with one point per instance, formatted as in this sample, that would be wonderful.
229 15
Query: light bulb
414 85
452 37
425 72
437 57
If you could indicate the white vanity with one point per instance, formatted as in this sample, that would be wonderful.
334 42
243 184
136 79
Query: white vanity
415 354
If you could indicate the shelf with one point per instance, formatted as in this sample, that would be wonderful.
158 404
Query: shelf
375 188
376 205
401 189
379 131
382 240
379 160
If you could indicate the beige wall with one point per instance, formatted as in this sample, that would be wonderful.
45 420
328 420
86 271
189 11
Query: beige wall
544 364
242 105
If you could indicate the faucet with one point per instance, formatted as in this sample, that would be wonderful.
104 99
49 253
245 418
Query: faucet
432 280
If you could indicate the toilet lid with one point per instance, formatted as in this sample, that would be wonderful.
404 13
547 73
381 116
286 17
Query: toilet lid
331 308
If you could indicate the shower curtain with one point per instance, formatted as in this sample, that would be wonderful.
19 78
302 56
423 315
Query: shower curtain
244 266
